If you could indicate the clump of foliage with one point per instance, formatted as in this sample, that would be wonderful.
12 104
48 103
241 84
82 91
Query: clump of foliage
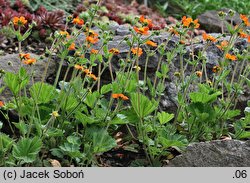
74 121
46 22
66 5
125 12
194 8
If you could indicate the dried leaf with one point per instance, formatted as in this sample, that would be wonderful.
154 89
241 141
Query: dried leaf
55 163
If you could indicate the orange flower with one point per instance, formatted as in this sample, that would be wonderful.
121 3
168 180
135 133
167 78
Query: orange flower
248 39
137 51
119 96
242 34
115 95
24 56
222 45
93 51
79 67
19 21
86 71
30 61
64 33
244 18
216 69
92 76
142 30
92 40
182 42
72 46
151 43
93 33
89 74
207 37
79 54
1 103
198 73
92 37
231 57
78 21
172 30
147 22
189 22
114 51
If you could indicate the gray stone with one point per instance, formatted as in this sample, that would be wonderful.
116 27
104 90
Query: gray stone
211 22
11 63
219 153
123 30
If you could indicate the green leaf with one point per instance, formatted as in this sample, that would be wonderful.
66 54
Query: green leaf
120 119
26 149
159 75
106 51
69 101
202 112
92 58
131 116
142 105
106 88
22 127
5 143
25 106
57 152
91 99
116 88
164 117
54 132
16 82
150 86
74 140
164 69
244 135
103 142
1 89
43 92
170 143
25 35
247 80
72 147
99 57
230 114
203 97
84 119
23 77
68 147
123 80
223 75
100 139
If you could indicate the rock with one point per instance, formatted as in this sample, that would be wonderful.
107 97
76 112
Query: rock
11 63
219 153
211 22
123 30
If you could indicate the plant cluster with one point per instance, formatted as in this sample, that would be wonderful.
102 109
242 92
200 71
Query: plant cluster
46 21
67 6
194 8
74 121
124 12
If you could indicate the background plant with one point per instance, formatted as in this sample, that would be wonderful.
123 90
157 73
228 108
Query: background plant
194 8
